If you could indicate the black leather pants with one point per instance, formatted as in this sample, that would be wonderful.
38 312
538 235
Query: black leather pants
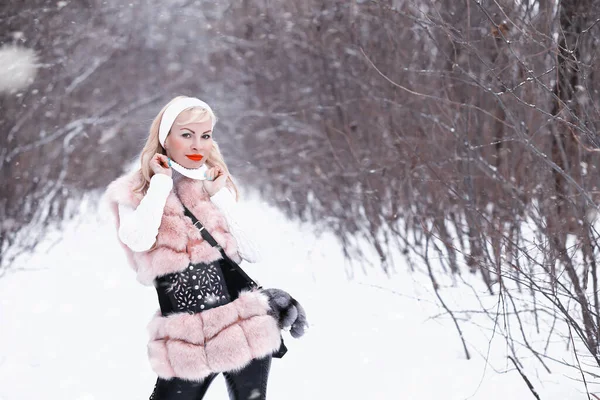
248 383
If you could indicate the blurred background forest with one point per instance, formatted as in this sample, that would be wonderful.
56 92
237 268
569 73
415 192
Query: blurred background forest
460 133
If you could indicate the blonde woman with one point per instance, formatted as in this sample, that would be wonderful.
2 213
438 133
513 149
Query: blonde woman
176 220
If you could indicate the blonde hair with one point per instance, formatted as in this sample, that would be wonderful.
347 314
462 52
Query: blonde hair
153 146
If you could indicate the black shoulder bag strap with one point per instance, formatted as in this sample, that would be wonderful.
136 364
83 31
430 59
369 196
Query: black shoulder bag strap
236 278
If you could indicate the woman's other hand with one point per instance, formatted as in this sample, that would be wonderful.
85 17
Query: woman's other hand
159 164
215 180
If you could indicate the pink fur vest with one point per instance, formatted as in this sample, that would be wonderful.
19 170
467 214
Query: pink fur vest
178 242
193 346
225 338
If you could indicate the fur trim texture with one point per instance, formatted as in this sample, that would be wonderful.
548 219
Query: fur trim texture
178 242
225 338
288 311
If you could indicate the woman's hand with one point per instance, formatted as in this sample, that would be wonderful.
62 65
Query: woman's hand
287 311
159 164
215 180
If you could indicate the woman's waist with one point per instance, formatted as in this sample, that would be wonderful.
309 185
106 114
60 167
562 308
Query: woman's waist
196 288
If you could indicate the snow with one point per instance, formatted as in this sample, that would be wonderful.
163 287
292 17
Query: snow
18 68
73 327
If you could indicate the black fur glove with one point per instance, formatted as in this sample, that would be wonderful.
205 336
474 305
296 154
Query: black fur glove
287 311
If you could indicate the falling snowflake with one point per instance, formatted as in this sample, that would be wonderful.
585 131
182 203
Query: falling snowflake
18 68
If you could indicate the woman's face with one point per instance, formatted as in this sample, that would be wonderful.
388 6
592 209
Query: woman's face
189 144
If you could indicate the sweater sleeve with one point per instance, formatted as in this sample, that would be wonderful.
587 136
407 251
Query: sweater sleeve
138 227
225 201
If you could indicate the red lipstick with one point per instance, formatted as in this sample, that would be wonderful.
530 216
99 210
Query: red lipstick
194 157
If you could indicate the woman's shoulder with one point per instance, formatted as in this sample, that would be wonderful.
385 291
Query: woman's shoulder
123 189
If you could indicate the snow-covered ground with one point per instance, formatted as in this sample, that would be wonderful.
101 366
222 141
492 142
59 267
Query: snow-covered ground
73 327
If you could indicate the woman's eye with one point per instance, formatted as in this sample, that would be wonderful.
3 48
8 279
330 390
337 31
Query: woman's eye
186 135
206 137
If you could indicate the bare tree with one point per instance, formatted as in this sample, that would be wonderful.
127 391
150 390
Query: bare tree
437 127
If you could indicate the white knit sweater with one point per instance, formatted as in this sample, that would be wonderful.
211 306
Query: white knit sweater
138 227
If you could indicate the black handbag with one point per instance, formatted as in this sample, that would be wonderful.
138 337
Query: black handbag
236 279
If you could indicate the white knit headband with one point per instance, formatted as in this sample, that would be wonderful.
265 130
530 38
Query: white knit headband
176 108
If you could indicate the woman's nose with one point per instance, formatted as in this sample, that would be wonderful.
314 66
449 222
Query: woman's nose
195 143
